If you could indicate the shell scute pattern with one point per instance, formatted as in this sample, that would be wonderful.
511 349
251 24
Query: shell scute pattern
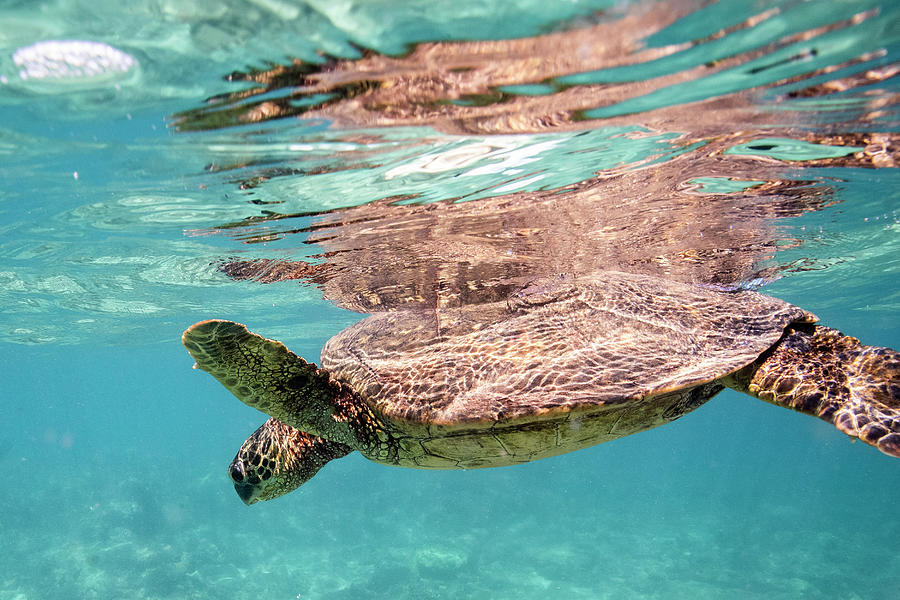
560 344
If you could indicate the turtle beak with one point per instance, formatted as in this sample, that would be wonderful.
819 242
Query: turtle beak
238 474
247 492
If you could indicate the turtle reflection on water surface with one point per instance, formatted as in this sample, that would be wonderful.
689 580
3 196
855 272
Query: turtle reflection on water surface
563 364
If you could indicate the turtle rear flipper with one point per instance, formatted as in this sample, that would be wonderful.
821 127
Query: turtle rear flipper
823 373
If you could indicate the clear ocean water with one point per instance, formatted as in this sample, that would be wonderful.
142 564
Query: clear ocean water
293 164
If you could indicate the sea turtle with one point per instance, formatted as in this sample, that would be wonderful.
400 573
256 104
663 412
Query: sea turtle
562 364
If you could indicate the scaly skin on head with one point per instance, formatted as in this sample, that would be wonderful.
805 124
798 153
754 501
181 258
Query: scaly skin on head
277 459
821 372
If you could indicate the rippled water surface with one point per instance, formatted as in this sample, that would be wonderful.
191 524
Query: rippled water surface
295 165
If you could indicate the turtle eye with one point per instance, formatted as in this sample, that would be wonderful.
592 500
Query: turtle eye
236 472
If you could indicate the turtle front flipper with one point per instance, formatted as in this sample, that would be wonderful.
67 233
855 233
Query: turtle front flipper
277 459
823 373
264 374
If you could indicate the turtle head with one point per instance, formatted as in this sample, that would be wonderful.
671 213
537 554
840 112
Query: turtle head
277 459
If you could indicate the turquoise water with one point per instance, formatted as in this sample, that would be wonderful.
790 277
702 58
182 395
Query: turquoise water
731 144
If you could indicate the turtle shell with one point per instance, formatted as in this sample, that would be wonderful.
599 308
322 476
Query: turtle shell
558 346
